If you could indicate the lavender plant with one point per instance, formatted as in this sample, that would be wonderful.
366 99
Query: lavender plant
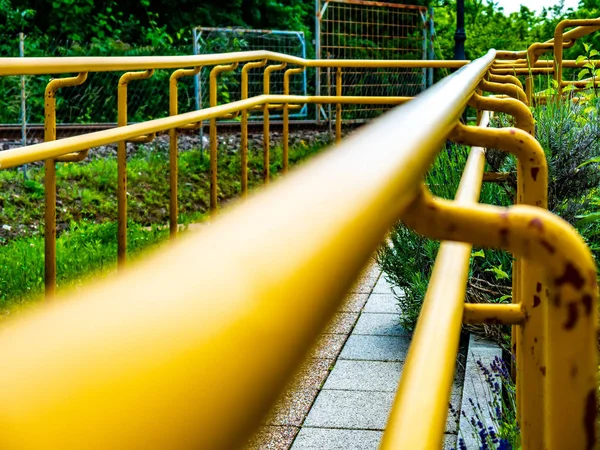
493 423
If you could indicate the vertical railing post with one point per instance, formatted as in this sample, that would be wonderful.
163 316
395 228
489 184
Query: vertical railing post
338 106
214 145
23 102
286 115
244 125
122 163
174 147
266 124
50 179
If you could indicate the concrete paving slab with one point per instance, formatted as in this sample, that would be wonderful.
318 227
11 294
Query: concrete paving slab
342 323
354 303
336 439
272 438
375 348
328 346
380 324
364 285
382 303
449 441
475 388
383 286
364 376
350 410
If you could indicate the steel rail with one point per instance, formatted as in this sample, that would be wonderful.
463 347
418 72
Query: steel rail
42 151
68 64
119 365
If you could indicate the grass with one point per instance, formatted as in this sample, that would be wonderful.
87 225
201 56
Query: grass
87 212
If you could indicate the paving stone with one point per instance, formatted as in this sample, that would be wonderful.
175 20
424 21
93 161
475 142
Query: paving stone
382 303
364 376
354 303
336 439
292 407
375 348
272 438
364 285
380 324
475 387
328 346
342 323
350 409
383 286
450 441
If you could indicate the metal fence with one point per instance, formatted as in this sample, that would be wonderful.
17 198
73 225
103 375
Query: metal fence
209 40
360 29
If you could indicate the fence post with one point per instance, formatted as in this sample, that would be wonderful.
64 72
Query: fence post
23 103
431 49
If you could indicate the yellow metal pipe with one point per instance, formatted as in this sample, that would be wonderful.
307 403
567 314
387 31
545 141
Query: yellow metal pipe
40 66
338 107
521 113
528 282
286 116
50 179
179 324
506 314
560 36
244 124
504 79
174 147
266 123
569 374
122 163
510 90
37 152
495 177
214 73
418 416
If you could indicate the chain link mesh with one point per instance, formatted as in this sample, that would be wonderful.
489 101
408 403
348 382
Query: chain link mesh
225 40
356 29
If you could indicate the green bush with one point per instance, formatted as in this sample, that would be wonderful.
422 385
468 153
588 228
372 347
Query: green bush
570 136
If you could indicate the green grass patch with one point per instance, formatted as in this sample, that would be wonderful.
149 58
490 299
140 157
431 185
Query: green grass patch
87 212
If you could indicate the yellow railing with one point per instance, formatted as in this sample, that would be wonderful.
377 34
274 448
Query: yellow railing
190 347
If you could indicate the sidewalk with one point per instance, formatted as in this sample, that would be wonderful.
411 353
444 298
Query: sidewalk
342 396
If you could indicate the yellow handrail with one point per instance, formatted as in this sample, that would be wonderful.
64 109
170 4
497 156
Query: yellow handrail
185 320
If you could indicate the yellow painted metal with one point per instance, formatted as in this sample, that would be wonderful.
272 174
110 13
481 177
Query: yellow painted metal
507 314
244 124
528 282
50 178
504 79
338 106
37 152
286 116
266 123
418 419
569 373
122 163
521 113
495 177
510 90
41 66
235 306
584 27
214 144
174 147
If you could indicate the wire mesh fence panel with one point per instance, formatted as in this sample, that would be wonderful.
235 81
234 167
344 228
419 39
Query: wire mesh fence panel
224 40
92 104
356 29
